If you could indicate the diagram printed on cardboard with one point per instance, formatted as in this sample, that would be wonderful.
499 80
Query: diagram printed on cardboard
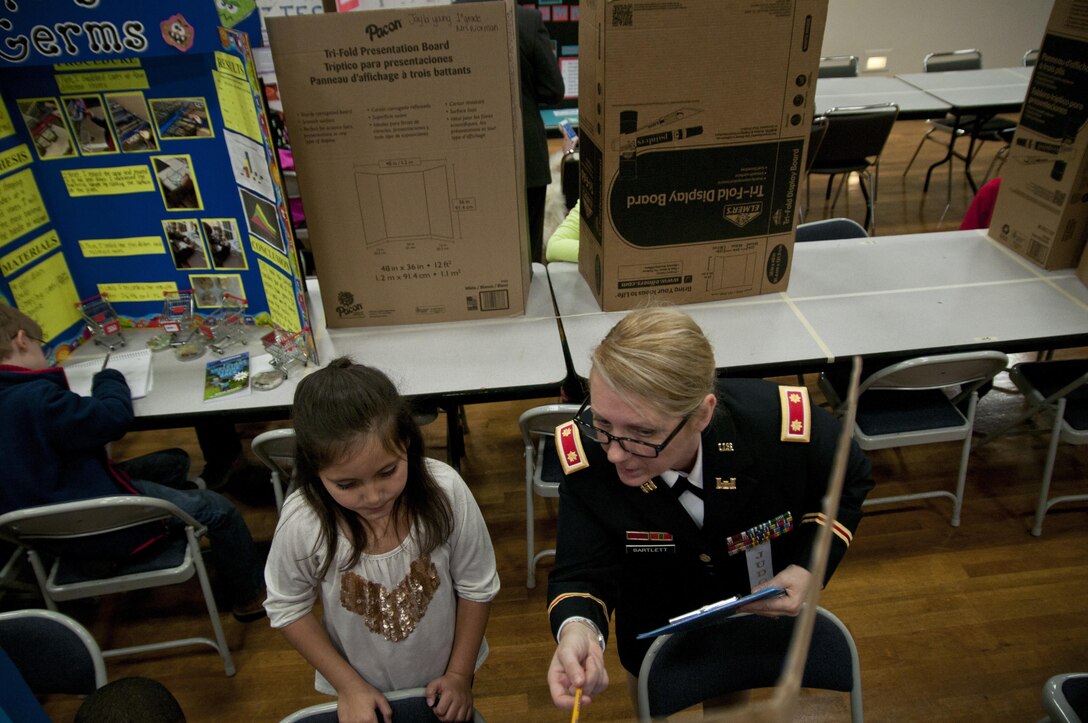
736 271
405 199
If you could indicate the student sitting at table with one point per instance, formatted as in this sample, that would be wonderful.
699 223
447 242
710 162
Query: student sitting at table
54 450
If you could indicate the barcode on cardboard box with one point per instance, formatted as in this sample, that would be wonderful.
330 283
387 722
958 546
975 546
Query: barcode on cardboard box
494 300
1037 251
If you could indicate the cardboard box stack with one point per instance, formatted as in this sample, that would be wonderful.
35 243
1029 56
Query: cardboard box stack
1042 208
693 120
406 131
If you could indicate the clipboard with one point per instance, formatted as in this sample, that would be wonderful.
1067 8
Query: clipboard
712 612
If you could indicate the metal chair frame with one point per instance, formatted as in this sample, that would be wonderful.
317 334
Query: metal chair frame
538 436
276 449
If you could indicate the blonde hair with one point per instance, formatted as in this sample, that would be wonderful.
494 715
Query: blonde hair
660 356
12 321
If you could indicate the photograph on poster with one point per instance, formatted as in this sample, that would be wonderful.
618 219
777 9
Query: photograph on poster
130 117
177 182
186 246
89 124
47 128
261 219
178 118
225 243
208 289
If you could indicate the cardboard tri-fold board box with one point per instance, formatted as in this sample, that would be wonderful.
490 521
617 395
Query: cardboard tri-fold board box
406 132
693 119
1042 208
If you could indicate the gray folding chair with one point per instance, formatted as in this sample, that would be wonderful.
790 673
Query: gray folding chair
745 652
66 532
922 401
542 470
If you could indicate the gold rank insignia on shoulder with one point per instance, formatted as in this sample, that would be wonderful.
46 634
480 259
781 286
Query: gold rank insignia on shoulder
796 414
568 444
725 446
648 487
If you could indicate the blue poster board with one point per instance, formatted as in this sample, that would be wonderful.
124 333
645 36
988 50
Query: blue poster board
136 160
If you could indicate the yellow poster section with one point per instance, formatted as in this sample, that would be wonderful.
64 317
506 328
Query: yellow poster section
6 128
47 295
29 253
134 246
108 181
236 104
230 65
15 158
280 292
264 250
137 291
108 80
21 207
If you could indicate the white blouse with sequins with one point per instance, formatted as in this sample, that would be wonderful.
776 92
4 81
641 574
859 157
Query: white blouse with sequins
392 616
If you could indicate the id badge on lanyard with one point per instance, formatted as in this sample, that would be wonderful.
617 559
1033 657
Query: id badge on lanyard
760 569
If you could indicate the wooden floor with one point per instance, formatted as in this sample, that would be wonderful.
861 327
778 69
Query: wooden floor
952 624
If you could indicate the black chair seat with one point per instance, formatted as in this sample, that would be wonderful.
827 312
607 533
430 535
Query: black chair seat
886 412
73 570
1049 377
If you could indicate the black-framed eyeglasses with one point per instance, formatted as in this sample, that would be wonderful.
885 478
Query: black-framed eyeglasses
637 447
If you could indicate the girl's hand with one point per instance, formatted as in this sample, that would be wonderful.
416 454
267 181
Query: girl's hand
450 697
362 705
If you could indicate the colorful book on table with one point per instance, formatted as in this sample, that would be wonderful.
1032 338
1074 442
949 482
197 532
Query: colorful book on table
227 376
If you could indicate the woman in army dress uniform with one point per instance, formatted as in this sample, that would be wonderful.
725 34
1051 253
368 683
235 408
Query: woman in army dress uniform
680 491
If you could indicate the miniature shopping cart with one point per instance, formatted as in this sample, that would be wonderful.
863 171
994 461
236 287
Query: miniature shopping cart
224 327
287 351
102 321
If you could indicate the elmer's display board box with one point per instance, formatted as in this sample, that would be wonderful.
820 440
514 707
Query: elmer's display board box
406 132
1042 210
693 119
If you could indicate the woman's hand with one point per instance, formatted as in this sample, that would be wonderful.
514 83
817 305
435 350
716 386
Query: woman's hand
578 663
795 580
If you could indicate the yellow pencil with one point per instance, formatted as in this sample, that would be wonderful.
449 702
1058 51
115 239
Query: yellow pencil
577 705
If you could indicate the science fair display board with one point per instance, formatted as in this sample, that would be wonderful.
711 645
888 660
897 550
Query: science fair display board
135 162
